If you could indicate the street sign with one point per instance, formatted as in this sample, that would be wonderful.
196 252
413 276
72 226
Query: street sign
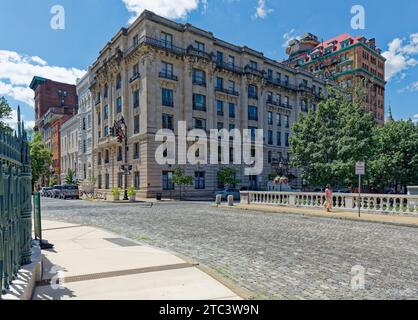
360 168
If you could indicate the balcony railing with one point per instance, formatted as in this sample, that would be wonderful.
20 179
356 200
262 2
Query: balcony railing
227 91
158 44
253 96
97 101
199 82
254 71
229 67
198 53
168 75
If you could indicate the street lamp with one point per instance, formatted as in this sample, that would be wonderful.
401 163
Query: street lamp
120 130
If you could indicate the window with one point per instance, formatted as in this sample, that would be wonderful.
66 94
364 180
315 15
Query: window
106 112
107 181
107 156
270 137
304 105
286 121
167 97
252 132
220 108
135 40
252 91
120 156
286 79
231 61
270 74
118 82
199 180
166 39
99 181
84 146
99 158
199 46
168 180
199 102
136 98
99 118
220 126
270 118
105 91
279 138
270 157
83 125
286 139
119 105
136 124
167 121
286 101
232 86
135 70
166 70
136 151
106 131
253 65
231 107
231 127
219 57
278 119
252 113
120 180
199 123
219 83
137 180
199 77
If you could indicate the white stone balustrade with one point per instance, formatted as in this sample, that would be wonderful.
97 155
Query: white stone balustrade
382 203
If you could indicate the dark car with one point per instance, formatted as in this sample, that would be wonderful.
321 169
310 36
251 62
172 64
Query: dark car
70 192
56 191
45 192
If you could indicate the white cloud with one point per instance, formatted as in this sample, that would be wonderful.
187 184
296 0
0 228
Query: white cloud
289 36
400 56
12 121
262 11
415 118
412 87
172 9
17 71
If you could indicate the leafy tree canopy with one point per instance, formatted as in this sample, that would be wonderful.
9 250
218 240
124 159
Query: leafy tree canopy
41 158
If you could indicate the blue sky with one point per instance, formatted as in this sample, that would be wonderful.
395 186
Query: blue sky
28 44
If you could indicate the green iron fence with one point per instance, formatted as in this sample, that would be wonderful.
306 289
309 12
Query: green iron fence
15 204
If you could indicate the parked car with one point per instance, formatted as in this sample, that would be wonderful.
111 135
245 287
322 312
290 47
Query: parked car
250 189
56 191
70 191
229 192
45 191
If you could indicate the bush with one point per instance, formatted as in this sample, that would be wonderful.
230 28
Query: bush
115 192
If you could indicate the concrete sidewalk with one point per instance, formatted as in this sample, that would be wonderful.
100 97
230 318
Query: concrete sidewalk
399 220
98 265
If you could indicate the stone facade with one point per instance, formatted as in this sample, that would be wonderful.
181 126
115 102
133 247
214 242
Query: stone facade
69 147
85 117
158 72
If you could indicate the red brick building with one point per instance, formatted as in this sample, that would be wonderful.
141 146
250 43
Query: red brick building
349 61
55 103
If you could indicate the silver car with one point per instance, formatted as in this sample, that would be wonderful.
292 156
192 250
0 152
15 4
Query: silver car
229 192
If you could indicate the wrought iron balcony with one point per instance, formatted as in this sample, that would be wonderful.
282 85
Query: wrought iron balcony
97 101
165 45
227 91
254 71
199 82
192 51
228 66
168 75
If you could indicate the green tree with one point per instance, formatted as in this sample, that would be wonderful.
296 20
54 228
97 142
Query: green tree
70 177
5 113
41 158
53 181
227 176
327 143
395 155
180 179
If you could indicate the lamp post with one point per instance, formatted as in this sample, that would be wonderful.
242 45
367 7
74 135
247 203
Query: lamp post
120 130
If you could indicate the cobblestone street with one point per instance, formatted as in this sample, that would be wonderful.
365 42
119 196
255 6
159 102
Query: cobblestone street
273 256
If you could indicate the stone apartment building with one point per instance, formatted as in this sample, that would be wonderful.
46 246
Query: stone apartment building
55 103
85 117
349 61
69 147
158 72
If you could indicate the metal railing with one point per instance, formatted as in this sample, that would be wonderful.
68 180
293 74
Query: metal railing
380 203
15 205
227 91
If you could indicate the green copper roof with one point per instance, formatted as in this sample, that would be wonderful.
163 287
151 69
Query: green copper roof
36 81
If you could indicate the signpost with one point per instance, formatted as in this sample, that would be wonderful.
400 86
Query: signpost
360 171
